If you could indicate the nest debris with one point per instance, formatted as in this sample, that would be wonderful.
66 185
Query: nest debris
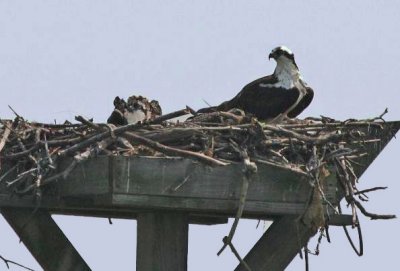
314 148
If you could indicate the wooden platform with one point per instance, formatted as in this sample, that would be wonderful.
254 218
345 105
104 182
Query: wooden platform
165 194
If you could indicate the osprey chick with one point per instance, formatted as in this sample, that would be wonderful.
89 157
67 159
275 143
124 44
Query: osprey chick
136 109
281 94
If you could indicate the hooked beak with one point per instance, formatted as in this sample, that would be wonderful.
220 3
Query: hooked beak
270 56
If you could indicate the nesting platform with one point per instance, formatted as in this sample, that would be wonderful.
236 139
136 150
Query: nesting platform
165 194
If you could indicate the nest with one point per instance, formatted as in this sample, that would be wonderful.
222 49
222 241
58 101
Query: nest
314 148
309 147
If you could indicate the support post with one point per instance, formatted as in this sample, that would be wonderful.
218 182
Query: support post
44 239
162 241
278 246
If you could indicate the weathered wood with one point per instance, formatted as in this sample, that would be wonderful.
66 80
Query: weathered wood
252 209
185 178
148 182
95 208
162 242
176 177
44 239
278 246
90 177
216 215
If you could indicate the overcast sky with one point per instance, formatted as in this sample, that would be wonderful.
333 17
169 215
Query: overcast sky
63 58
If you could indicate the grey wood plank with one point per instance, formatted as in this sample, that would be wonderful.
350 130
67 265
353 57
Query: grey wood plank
95 208
162 241
186 178
90 177
208 206
44 239
207 212
278 246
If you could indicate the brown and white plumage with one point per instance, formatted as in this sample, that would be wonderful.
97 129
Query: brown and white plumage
283 93
136 109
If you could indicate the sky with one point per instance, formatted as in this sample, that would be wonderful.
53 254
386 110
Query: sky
59 59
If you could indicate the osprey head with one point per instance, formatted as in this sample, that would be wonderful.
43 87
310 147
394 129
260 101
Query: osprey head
282 52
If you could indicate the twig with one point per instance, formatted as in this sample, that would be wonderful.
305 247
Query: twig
172 115
371 215
370 190
306 259
360 250
7 262
249 169
5 136
64 174
100 136
319 140
292 168
16 114
8 172
380 117
173 151
237 255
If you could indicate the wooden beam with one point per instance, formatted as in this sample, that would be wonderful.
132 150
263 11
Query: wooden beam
94 207
162 241
179 178
227 208
44 239
278 246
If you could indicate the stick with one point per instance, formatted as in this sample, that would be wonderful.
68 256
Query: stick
173 151
320 140
5 136
16 114
172 115
370 190
162 148
371 215
6 261
249 169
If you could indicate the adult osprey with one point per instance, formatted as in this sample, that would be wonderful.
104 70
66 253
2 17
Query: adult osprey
276 96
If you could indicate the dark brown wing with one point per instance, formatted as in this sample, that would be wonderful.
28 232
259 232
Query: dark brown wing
226 106
117 118
265 102
307 99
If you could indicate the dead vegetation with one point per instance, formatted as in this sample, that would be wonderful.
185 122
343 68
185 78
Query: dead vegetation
314 148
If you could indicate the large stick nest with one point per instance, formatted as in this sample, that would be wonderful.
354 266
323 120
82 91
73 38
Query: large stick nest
311 146
314 148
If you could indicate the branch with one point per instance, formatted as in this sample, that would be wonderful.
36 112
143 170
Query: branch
370 190
5 136
7 262
319 140
249 169
173 151
371 215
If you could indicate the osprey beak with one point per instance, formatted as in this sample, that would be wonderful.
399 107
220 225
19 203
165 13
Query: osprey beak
270 56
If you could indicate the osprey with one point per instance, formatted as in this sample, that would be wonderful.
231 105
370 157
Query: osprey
277 96
136 109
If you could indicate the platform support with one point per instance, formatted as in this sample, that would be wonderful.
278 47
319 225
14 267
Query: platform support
44 239
278 246
162 241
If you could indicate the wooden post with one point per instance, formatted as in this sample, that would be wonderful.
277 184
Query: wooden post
162 241
44 239
278 246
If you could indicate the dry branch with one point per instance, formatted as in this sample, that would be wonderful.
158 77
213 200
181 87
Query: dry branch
34 149
307 148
